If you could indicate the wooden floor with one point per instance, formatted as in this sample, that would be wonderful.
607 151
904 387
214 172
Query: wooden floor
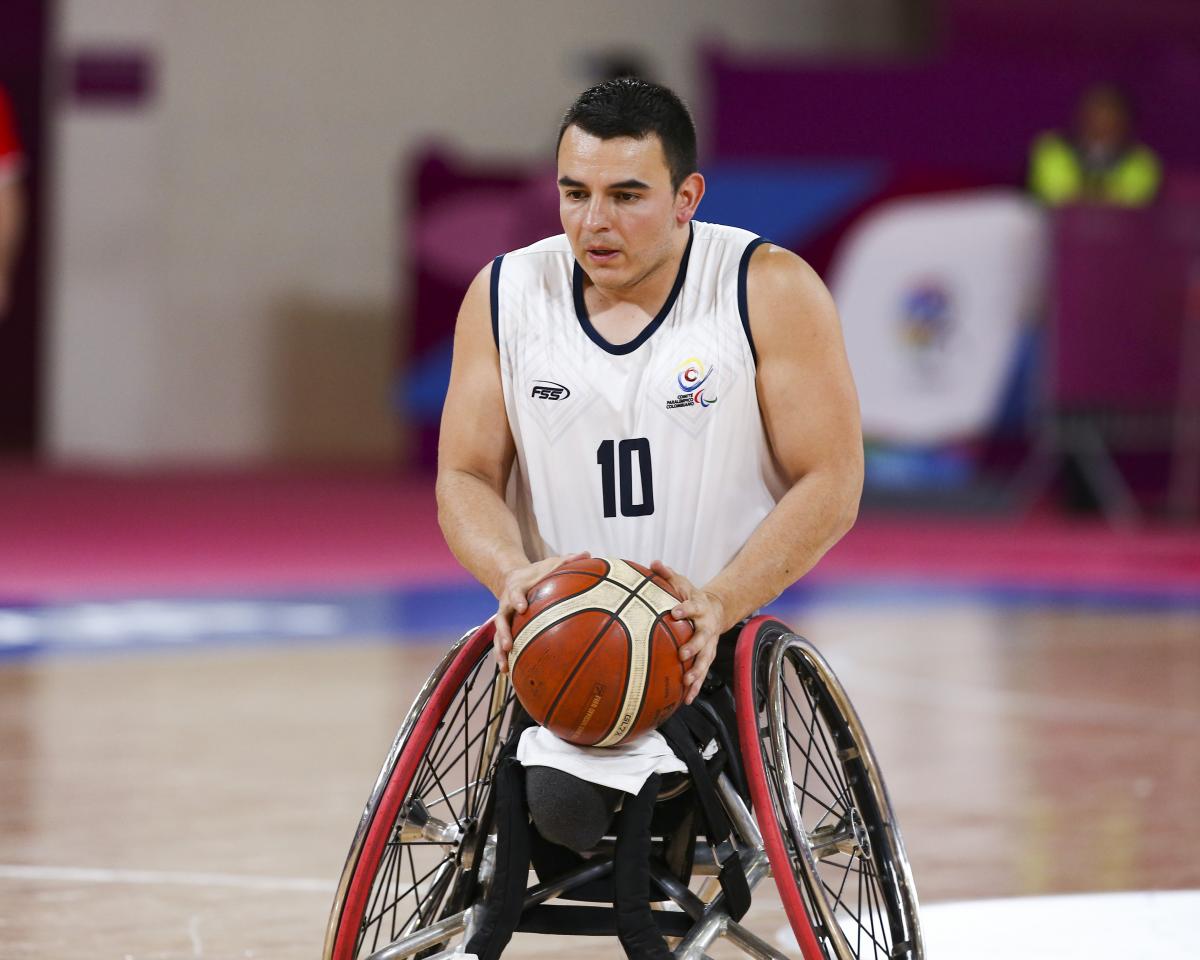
199 803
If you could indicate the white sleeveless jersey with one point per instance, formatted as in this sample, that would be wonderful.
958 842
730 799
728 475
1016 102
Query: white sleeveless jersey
650 450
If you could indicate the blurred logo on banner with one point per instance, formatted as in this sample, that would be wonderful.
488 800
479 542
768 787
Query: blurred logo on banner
927 325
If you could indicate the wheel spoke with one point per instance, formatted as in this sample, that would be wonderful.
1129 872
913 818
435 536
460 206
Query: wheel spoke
839 796
870 933
444 740
831 767
412 888
829 811
464 750
437 756
808 763
449 725
378 896
872 902
858 946
836 794
875 887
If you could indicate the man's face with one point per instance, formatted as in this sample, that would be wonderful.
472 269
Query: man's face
618 209
1103 120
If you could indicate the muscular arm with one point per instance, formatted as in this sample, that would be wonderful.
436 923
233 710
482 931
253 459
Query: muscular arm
475 451
810 410
475 455
11 219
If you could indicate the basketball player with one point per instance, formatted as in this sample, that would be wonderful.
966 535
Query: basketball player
650 387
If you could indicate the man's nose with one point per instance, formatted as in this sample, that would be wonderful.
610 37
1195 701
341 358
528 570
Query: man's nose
596 216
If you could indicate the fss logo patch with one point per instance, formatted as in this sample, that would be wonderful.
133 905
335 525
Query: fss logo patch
549 390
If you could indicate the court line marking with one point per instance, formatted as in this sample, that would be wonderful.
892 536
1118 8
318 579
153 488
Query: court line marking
152 878
194 933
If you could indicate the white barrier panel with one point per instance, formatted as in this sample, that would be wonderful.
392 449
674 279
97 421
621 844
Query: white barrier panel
932 294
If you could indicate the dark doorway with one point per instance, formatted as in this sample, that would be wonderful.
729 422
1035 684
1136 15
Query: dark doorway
25 27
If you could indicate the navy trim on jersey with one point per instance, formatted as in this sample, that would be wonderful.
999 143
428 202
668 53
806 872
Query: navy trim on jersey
743 309
623 348
495 296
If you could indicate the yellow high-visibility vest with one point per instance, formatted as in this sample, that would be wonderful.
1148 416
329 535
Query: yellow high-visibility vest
1057 176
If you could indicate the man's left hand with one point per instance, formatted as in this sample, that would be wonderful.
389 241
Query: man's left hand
707 613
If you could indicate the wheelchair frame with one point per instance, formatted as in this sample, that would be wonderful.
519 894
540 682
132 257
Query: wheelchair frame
820 818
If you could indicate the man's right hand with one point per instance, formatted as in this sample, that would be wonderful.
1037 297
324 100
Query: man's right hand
517 583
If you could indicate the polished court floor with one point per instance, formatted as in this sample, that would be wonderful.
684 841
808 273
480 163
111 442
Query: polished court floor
197 799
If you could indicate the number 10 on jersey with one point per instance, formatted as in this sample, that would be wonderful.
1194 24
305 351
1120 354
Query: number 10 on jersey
622 465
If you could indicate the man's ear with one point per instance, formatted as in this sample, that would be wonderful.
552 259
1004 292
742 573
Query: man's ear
688 196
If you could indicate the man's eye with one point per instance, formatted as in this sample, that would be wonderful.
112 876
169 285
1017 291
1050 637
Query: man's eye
627 196
575 195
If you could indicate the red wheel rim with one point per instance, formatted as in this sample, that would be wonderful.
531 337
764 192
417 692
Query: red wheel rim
760 792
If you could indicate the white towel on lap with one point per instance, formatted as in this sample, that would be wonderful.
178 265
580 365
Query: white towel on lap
623 767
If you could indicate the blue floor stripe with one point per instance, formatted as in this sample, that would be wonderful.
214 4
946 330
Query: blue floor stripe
436 613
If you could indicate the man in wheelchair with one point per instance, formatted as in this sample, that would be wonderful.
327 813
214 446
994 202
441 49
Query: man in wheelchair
712 363
634 305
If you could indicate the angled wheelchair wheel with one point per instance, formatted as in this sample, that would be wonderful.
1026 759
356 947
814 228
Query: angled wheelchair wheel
821 805
415 862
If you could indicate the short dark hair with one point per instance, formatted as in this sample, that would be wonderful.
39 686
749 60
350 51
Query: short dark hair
630 107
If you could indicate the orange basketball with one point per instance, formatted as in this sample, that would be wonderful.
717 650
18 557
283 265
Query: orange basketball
595 655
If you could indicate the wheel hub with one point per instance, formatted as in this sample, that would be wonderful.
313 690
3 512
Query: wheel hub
417 824
848 836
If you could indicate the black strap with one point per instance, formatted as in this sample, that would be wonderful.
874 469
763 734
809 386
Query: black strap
506 898
679 732
636 928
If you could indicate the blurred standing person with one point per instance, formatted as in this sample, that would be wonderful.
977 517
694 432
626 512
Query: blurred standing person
1100 162
12 208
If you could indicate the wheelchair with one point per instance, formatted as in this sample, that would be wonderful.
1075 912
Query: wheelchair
811 812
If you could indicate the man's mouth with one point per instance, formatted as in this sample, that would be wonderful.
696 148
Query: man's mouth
601 253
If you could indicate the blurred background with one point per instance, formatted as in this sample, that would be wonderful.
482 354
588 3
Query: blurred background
233 239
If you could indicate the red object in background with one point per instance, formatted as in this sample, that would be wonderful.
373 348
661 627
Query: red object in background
10 144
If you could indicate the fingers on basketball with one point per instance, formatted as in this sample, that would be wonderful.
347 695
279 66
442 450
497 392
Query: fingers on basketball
680 585
697 672
665 572
571 558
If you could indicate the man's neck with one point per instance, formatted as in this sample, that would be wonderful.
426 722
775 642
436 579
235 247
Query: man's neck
647 293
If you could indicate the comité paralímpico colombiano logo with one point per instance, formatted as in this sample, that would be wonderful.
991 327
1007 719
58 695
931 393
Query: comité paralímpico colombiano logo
691 377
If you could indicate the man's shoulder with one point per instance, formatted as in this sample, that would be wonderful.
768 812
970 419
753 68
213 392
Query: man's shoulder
556 246
546 264
718 233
